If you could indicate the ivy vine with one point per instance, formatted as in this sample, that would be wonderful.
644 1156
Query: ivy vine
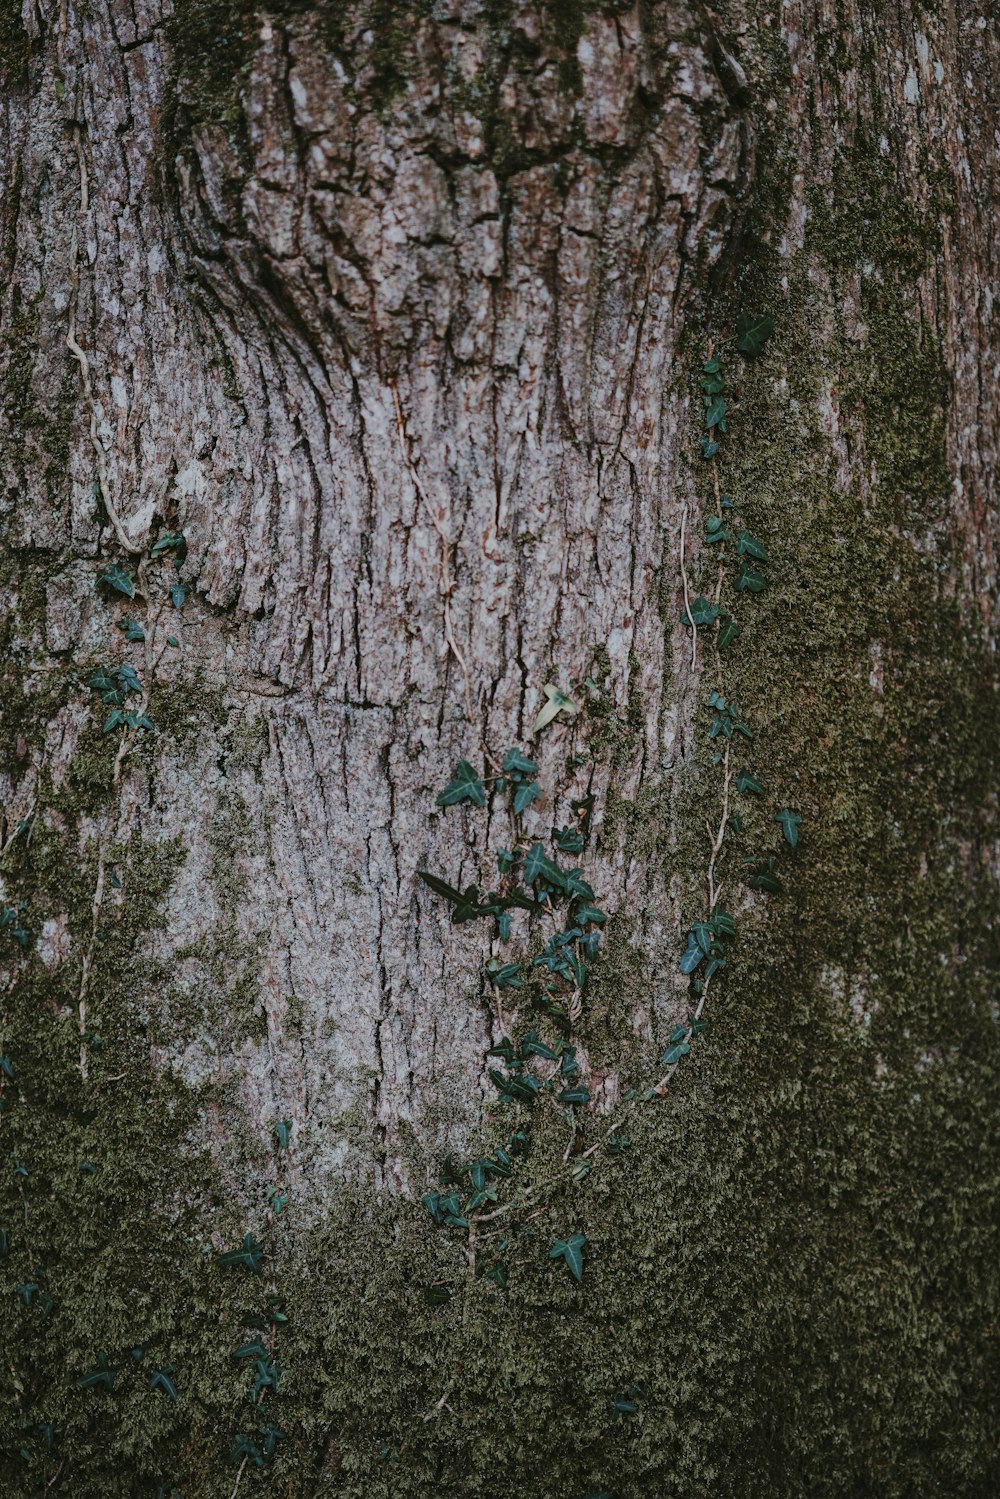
535 1065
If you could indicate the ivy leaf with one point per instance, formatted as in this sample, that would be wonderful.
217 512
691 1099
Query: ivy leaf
283 1131
504 975
763 876
715 416
441 887
702 612
571 1252
116 578
278 1200
524 796
709 447
750 580
131 628
728 632
578 1094
693 956
568 840
749 546
172 640
252 1350
673 1054
752 333
161 1380
712 366
465 787
128 679
748 783
167 543
533 1046
249 1256
557 703
469 907
514 763
789 825
178 593
103 1376
538 866
7 1068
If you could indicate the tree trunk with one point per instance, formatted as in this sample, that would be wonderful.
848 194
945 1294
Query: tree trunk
354 401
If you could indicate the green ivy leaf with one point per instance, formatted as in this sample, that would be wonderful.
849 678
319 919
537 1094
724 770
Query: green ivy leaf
533 1046
538 866
715 416
789 821
570 1251
283 1131
576 1095
116 578
752 333
101 1377
504 975
763 876
131 628
248 1257
440 887
252 1350
750 580
166 543
465 787
728 632
568 840
673 1054
702 612
524 796
692 957
747 783
514 763
749 546
161 1380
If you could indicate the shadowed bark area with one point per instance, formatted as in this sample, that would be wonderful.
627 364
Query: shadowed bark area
395 313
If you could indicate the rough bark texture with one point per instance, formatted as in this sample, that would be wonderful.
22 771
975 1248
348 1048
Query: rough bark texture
394 311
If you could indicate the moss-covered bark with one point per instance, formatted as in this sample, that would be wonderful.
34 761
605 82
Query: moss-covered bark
795 1260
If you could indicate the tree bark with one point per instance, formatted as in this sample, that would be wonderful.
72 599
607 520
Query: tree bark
395 313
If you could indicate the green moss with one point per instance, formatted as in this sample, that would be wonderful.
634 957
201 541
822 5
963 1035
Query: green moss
797 1259
15 47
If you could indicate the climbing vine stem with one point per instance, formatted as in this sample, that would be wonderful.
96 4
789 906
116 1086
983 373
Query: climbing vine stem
549 909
